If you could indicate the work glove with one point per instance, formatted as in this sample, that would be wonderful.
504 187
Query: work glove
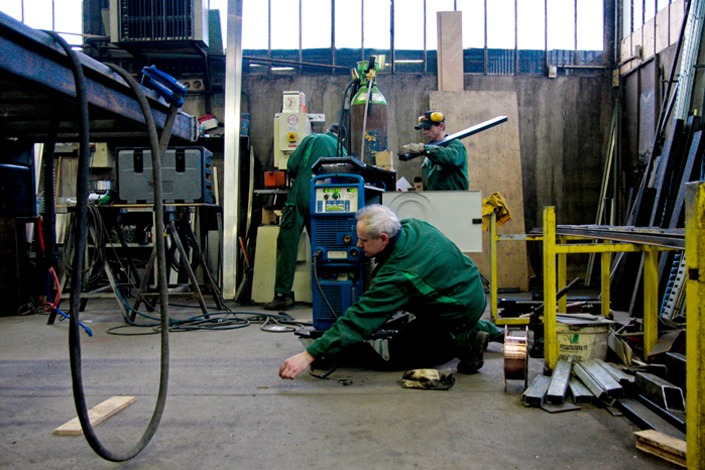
495 203
429 379
409 151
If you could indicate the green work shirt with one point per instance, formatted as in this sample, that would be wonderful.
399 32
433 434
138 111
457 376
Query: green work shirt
425 274
311 148
446 168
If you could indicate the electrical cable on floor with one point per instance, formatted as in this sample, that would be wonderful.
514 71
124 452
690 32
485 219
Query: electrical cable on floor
80 236
213 321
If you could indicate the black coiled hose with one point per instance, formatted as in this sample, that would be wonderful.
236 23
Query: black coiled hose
79 235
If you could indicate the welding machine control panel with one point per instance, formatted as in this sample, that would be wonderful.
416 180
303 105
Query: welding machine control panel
337 199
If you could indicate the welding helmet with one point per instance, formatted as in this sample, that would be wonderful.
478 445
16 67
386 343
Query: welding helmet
427 119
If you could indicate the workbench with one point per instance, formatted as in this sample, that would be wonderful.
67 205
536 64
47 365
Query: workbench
124 236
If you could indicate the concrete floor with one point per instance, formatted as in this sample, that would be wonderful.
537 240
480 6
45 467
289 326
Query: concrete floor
227 408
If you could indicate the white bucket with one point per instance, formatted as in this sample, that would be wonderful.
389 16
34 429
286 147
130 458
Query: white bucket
586 340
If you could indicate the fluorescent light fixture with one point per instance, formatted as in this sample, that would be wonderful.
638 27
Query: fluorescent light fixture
408 61
281 69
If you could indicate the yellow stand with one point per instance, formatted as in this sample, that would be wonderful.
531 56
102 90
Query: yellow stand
695 324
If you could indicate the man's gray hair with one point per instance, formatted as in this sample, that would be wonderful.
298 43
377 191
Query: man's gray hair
378 219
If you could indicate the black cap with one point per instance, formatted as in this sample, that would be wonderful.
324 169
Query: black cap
428 118
336 128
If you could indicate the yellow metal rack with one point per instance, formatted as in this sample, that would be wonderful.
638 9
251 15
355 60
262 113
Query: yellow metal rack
560 241
494 277
695 326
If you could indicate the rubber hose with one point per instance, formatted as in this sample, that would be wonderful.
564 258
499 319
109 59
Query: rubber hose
80 242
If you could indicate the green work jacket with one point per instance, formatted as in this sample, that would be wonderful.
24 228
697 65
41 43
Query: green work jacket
446 168
424 273
311 148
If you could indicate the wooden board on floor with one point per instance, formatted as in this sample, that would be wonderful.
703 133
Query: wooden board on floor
97 415
661 445
494 165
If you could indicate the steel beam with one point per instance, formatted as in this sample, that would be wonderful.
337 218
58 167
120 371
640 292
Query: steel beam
36 82
695 323
559 383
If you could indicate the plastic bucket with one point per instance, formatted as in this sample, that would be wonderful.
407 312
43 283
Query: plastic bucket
582 342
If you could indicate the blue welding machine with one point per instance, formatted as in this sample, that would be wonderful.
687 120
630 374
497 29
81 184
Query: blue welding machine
338 266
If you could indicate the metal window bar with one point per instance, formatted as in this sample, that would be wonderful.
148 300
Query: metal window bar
495 62
575 32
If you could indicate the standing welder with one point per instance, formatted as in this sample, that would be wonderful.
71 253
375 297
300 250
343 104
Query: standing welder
297 210
445 168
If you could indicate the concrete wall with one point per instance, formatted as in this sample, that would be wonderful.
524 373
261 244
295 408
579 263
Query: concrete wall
564 125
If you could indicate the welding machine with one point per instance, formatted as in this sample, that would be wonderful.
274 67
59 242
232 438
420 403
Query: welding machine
338 268
342 186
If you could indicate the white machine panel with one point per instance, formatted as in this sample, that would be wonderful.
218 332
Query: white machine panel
458 214
289 130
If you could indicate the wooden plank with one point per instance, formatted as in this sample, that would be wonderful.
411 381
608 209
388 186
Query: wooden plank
663 446
662 30
498 147
450 51
96 415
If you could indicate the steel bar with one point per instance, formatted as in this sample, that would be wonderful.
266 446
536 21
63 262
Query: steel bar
592 385
643 417
675 365
460 135
669 238
660 391
559 383
535 395
675 418
483 126
624 379
603 378
579 392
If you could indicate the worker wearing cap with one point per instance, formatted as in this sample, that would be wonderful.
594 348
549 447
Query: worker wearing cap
445 167
297 209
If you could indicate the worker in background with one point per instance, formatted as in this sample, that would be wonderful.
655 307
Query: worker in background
297 211
420 271
444 168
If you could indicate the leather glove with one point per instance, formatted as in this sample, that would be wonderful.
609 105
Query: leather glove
429 379
409 151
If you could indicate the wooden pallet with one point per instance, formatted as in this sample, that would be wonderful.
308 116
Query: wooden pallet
661 445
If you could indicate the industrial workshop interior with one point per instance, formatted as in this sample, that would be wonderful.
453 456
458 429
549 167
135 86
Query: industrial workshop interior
352 234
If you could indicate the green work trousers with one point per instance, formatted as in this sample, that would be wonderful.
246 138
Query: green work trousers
293 220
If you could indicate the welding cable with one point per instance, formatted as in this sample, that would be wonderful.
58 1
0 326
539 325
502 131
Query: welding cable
318 283
344 119
214 321
272 325
89 332
80 243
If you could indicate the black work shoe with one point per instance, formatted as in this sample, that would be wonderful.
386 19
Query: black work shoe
498 337
474 359
280 302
